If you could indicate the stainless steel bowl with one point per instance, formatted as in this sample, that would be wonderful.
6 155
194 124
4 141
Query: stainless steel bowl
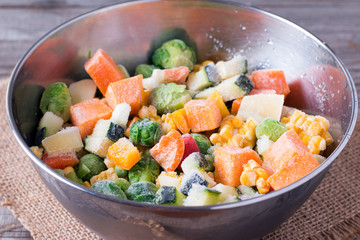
318 80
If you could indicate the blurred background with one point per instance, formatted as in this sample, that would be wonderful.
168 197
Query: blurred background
23 22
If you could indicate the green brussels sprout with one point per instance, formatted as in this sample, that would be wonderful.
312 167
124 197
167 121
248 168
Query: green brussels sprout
145 132
147 169
89 166
145 69
271 128
169 97
56 99
142 192
202 142
174 53
109 187
123 183
120 172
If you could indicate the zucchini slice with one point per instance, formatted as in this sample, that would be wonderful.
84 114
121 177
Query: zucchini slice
191 179
230 89
51 122
206 77
108 129
200 196
233 67
97 145
169 195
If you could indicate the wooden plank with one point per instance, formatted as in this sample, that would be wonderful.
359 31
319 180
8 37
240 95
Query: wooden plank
10 227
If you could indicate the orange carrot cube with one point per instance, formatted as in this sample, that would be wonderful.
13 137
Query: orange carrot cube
86 114
229 161
124 154
203 115
103 70
176 75
60 160
282 151
128 90
169 151
180 120
298 167
288 160
270 79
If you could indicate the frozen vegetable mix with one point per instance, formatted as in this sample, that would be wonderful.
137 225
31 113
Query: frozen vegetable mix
178 132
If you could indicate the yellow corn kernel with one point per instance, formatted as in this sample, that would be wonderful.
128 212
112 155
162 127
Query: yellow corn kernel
68 170
197 68
325 124
157 119
248 178
227 120
248 130
314 128
206 62
304 137
226 132
237 140
37 151
301 121
262 186
104 175
167 123
317 144
261 173
250 165
328 138
285 120
87 184
215 138
108 163
237 122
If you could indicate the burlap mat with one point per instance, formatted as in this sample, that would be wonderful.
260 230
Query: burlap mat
332 212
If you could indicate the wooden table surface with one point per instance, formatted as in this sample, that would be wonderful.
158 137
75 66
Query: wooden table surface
22 22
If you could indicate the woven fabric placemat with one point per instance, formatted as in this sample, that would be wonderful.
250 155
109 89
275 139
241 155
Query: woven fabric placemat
332 212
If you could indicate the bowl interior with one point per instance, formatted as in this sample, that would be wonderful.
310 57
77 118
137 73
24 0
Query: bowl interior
130 32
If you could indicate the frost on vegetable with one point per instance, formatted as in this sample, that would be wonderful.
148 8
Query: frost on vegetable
145 132
110 188
89 166
147 169
56 98
169 97
142 192
271 128
174 53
